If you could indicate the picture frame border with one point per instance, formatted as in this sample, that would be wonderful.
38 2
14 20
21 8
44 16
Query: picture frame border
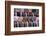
8 17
